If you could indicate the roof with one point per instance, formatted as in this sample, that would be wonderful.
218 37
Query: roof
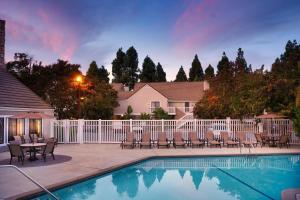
176 91
15 94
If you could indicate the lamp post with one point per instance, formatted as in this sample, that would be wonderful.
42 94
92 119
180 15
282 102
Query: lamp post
78 81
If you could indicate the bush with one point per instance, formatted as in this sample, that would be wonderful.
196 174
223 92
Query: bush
159 113
127 115
144 116
296 120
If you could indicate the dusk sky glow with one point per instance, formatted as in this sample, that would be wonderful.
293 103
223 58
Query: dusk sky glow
169 31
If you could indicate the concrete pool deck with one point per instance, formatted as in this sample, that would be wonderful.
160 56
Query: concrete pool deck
77 161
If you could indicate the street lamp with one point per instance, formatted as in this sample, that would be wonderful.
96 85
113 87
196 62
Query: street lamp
78 80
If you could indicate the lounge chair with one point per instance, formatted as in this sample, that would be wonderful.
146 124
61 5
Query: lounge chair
262 140
209 136
194 140
17 152
242 139
48 150
128 141
227 140
177 140
162 140
284 140
146 140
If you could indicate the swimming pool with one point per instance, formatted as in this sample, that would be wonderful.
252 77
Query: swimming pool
235 177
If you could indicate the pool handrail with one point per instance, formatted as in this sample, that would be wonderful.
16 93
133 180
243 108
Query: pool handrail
31 179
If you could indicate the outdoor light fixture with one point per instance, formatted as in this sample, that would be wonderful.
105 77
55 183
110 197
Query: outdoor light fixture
79 79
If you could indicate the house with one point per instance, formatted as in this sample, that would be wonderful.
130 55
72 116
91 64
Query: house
17 99
176 98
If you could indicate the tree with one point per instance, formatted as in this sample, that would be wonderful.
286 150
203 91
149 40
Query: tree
296 120
181 76
160 73
196 71
128 113
95 73
240 63
131 67
209 72
159 113
148 73
118 67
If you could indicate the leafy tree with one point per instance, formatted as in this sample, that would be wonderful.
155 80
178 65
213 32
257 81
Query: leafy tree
148 73
128 113
181 76
131 67
159 113
95 73
240 63
296 120
118 67
209 72
160 73
196 71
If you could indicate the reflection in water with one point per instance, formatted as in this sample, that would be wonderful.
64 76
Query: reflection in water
197 177
181 172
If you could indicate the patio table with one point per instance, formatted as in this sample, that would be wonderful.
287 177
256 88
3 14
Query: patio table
32 151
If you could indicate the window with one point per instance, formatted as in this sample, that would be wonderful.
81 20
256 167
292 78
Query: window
16 127
35 126
154 105
187 107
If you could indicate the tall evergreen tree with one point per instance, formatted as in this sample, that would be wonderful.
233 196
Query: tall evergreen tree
209 72
224 67
95 73
181 76
240 63
131 67
118 67
148 73
160 73
196 71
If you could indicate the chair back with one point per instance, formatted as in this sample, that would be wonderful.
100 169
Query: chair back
241 136
258 137
224 136
15 150
162 137
209 135
177 136
284 139
193 136
49 147
129 137
146 137
33 137
18 139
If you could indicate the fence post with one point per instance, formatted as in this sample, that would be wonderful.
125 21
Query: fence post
130 125
100 131
195 124
80 130
51 128
228 122
162 125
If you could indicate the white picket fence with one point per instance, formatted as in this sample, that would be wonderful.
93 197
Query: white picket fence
113 131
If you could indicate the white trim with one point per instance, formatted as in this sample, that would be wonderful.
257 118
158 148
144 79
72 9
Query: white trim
180 101
24 109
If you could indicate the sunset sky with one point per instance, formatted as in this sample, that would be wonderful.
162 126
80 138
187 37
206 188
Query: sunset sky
169 31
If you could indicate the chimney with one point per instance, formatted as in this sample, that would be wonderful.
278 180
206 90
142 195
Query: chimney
2 41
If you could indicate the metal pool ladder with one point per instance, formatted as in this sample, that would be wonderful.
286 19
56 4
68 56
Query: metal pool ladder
31 179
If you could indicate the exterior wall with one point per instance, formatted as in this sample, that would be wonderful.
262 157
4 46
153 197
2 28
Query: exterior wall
2 41
141 101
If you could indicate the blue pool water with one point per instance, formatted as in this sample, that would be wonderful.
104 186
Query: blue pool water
255 177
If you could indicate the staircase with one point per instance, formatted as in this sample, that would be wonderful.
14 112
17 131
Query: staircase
187 118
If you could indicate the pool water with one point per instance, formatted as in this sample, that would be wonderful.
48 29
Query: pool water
239 177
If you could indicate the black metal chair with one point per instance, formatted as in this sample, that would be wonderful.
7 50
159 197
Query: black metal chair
16 151
48 150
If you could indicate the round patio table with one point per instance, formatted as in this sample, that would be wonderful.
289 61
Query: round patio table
32 149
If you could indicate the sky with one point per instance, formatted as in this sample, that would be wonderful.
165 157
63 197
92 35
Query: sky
169 31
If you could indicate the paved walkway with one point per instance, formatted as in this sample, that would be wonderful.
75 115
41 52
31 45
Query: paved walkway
74 161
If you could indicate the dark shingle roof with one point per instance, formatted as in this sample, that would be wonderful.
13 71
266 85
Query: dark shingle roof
15 94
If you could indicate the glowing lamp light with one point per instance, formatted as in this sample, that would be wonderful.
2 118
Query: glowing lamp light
78 79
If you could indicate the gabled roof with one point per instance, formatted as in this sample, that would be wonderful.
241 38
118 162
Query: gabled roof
174 91
15 94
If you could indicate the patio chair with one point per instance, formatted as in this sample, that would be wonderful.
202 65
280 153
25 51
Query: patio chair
17 139
128 141
227 140
162 140
261 139
48 150
284 141
51 139
242 139
17 152
194 140
146 140
209 136
177 140
33 137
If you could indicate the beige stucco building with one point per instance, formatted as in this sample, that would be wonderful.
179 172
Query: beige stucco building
176 98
